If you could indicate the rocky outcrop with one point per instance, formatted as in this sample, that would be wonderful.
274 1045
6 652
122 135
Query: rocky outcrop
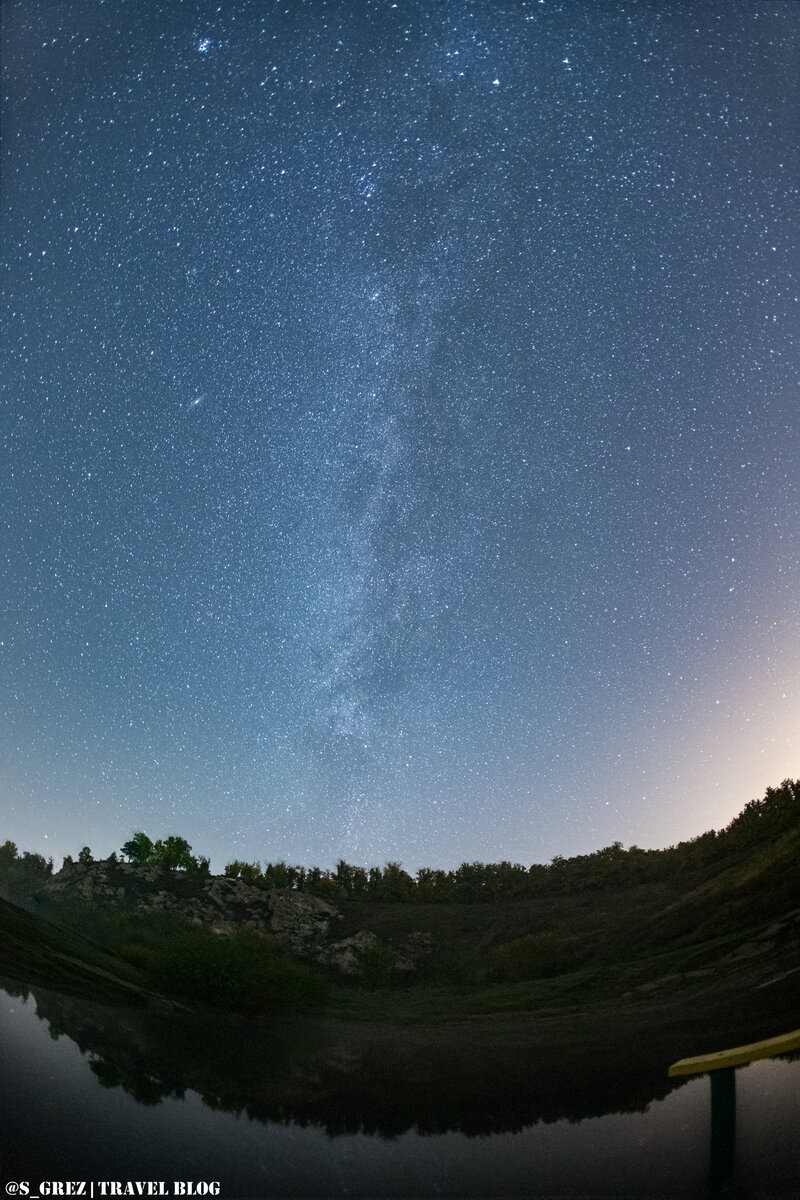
348 954
297 919
302 922
364 951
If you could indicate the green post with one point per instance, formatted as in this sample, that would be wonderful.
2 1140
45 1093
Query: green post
723 1131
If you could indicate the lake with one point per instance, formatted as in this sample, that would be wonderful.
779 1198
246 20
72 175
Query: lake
90 1093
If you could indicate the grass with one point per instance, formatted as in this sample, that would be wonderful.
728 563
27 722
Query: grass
121 954
246 972
556 952
47 952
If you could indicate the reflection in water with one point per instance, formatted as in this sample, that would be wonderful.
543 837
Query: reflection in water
723 1130
152 1105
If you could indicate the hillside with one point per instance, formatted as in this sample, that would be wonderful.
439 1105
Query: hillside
713 918
43 952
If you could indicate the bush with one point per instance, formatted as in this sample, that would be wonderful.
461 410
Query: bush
138 955
535 956
377 961
246 971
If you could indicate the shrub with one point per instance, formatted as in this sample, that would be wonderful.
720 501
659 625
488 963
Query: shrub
377 961
138 955
535 956
246 971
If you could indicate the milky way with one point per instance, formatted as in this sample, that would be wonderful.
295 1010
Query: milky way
401 427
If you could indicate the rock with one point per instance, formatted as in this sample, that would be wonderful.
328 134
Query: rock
749 950
414 950
299 919
343 955
790 974
223 905
657 983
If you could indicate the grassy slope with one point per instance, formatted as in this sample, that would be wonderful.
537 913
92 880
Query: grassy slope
566 951
118 953
44 952
556 953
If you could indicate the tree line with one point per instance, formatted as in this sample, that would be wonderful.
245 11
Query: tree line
760 822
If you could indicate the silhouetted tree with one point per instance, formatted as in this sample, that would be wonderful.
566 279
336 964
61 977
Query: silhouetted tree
247 872
35 864
8 854
139 849
172 854
394 885
280 875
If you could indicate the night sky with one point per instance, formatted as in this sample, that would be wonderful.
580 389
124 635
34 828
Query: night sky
400 424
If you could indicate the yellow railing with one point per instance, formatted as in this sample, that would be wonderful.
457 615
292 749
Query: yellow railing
738 1056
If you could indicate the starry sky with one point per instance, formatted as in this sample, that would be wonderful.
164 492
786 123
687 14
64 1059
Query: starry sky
400 424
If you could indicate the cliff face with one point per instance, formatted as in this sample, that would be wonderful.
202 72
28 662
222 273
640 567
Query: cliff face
303 923
299 920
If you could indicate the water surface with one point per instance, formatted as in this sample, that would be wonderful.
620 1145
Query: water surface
91 1093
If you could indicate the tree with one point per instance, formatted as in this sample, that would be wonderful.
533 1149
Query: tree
344 876
433 885
139 850
8 854
85 855
173 854
247 872
36 864
280 875
394 884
